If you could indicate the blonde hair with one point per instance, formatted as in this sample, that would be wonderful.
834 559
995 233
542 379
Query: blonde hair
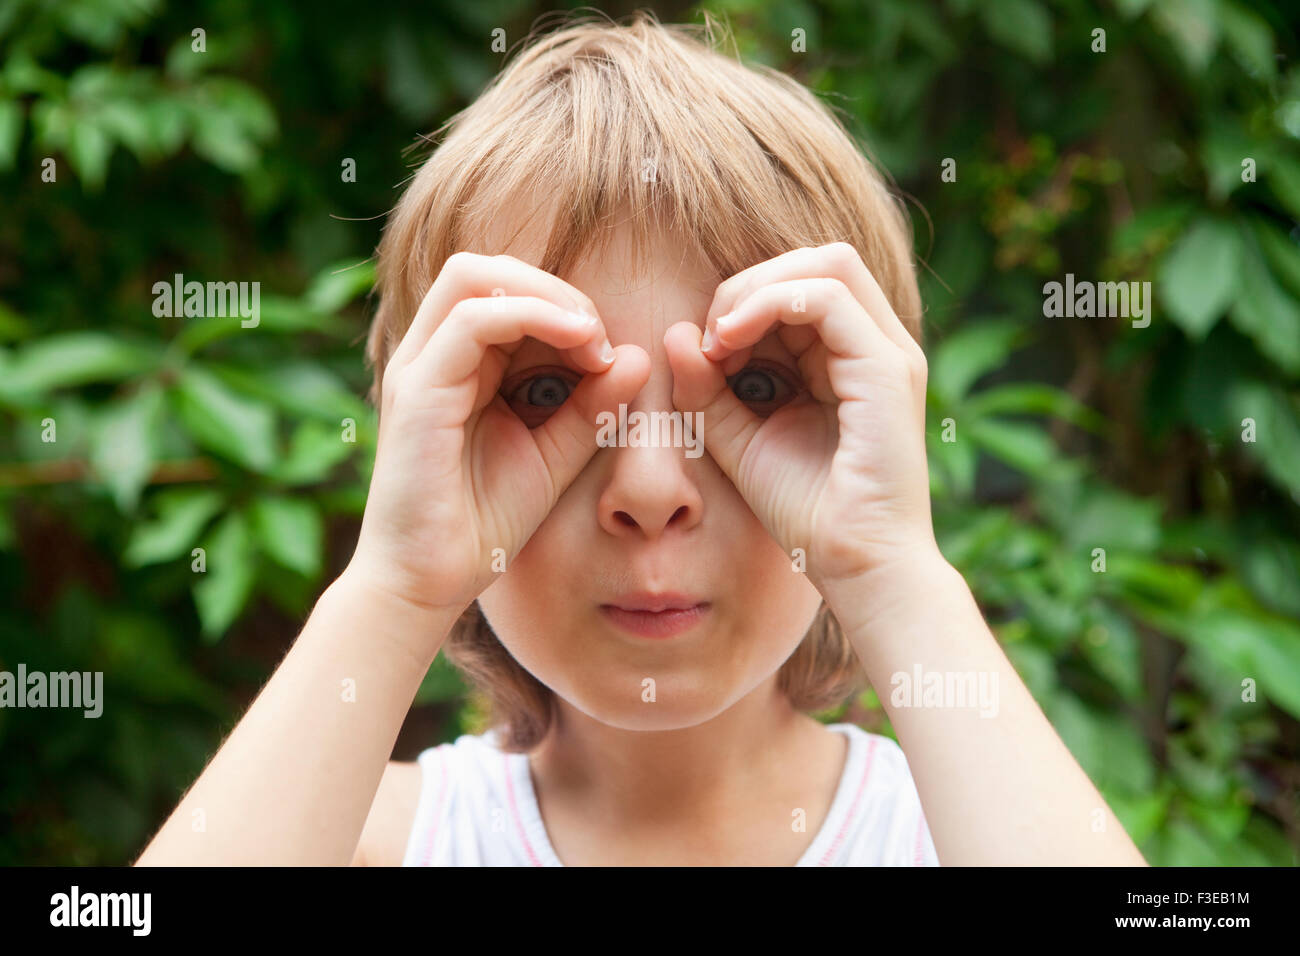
600 117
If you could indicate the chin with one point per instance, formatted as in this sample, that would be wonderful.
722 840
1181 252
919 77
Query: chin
677 704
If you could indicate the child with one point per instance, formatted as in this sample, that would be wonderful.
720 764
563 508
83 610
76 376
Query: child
651 627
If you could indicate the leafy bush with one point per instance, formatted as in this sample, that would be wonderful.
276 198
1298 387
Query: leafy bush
1050 438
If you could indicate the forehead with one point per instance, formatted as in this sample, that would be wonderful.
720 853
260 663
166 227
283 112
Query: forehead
668 282
638 297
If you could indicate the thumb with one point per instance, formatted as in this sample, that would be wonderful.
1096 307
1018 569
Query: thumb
567 439
699 385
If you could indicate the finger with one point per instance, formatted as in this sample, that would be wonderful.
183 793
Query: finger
467 275
825 305
837 260
700 385
567 439
456 350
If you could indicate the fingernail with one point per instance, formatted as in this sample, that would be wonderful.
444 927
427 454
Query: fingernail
707 344
606 352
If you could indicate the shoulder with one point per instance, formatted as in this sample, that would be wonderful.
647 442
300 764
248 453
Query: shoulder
884 823
413 794
383 838
475 807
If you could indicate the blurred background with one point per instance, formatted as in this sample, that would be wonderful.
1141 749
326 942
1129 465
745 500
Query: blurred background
133 148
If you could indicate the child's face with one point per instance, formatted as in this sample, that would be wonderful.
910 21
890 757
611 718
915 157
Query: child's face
646 519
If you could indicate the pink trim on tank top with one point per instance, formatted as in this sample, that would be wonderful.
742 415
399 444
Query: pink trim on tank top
437 811
853 808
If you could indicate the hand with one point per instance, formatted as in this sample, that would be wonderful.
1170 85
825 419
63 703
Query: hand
457 473
840 471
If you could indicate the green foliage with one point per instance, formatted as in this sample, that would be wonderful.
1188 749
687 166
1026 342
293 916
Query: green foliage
1052 438
136 448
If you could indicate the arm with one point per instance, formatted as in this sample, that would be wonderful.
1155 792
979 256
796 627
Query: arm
458 478
839 474
294 781
997 789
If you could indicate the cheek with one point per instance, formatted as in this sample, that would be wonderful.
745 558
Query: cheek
543 611
533 606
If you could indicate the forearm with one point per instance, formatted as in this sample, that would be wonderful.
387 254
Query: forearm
294 781
997 784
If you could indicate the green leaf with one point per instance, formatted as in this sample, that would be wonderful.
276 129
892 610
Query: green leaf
124 444
1030 398
1025 447
1260 646
1109 749
1223 148
1140 815
13 326
1020 25
1185 845
224 421
1149 228
1270 567
1284 177
962 357
1035 666
1141 580
1265 312
1282 253
182 514
335 287
75 358
1193 26
1131 9
958 460
1110 519
224 588
88 150
1199 276
11 131
307 389
314 450
290 531
1250 37
1111 646
1277 429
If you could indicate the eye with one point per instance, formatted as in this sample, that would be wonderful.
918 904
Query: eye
764 386
536 396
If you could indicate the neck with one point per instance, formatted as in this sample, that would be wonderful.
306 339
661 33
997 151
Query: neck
692 773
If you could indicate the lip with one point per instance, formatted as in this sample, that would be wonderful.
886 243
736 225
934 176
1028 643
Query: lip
660 615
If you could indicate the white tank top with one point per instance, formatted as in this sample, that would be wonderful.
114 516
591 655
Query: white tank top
477 808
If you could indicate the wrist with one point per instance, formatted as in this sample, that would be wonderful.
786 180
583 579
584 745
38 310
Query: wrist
380 613
875 605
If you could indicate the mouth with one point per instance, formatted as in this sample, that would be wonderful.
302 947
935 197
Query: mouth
656 615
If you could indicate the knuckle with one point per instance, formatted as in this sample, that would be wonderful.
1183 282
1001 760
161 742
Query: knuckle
391 384
460 261
839 293
842 253
917 363
461 313
727 289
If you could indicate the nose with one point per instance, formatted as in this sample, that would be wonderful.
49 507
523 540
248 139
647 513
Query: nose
651 490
